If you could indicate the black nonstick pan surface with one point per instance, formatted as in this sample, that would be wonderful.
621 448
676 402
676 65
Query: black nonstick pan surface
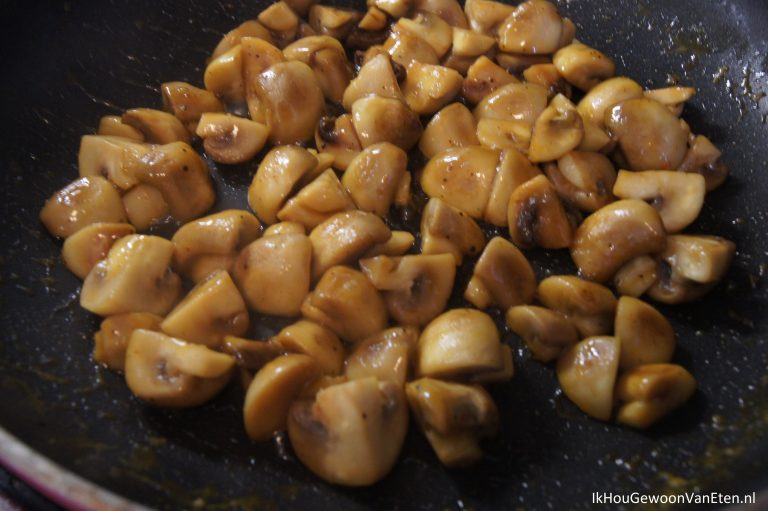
65 64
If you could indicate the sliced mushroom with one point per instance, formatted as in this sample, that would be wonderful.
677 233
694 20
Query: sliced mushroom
158 127
168 372
345 301
397 245
504 134
459 343
534 27
548 77
636 276
545 332
352 432
145 206
344 237
584 179
281 21
604 96
273 273
589 306
514 169
224 76
587 374
415 288
212 310
449 10
558 130
89 245
271 393
135 277
536 216
250 355
111 341
646 335
649 392
376 77
230 139
429 27
615 234
86 201
377 119
428 88
673 97
112 125
448 230
385 356
336 136
327 58
315 341
405 48
484 77
502 277
649 135
318 201
250 28
514 102
188 102
454 417
485 16
453 126
332 21
704 158
582 66
373 176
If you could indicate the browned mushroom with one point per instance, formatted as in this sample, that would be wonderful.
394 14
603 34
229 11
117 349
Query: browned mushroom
157 126
649 392
231 139
326 56
536 216
646 335
373 177
89 245
111 340
428 88
453 126
387 355
582 66
112 125
145 206
429 27
448 230
557 131
514 169
704 158
587 374
589 306
483 77
502 277
376 77
534 27
188 102
636 276
545 332
584 179
337 137
485 16
378 119
317 202
316 341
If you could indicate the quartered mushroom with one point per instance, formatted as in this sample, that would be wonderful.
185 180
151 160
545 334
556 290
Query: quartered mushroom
352 432
582 66
230 139
614 235
468 43
604 96
448 230
145 206
111 340
113 126
678 196
337 137
523 102
583 179
374 19
83 202
484 77
704 158
158 127
534 27
454 417
256 55
250 355
415 288
168 372
271 393
250 28
327 58
514 169
427 88
546 333
636 276
378 119
273 273
449 10
281 21
376 77
452 126
557 131
502 277
387 355
547 75
429 27
317 201
646 335
504 134
397 245
187 102
373 177
673 97
212 310
405 49
536 217
485 16
285 228
332 21
587 374
395 8
135 277
588 305
647 393
345 301
224 76
314 340
89 245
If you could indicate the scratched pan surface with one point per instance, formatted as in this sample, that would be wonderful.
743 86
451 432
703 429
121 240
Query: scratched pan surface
67 63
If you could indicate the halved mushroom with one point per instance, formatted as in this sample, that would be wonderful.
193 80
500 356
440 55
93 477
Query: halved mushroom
250 355
145 206
415 288
557 131
135 277
397 245
230 139
281 21
405 48
85 201
646 335
504 134
168 372
281 170
373 177
514 102
462 176
376 77
459 343
345 301
188 102
111 340
273 273
534 27
448 230
158 127
212 310
587 374
292 99
250 28
327 58
636 276
649 392
690 266
317 201
332 21
582 66
316 341
485 16
678 196
453 126
91 244
584 179
484 77
604 96
589 306
213 242
427 88
704 158
377 119
548 77
454 417
336 136
352 432
649 135
112 125
273 391
386 356
615 234
502 277
429 27
344 237
514 169
672 97
545 332
224 76
449 10
536 216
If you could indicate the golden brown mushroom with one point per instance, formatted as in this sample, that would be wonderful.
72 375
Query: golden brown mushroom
514 102
377 119
584 179
547 75
316 341
649 392
449 10
604 96
387 355
514 169
230 139
373 177
317 201
158 127
405 48
337 137
453 126
646 335
447 230
224 76
484 77
111 340
281 21
429 27
636 276
672 97
145 206
376 77
582 66
91 244
485 16
188 102
704 158
502 277
397 245
428 88
545 332
86 201
534 27
558 130
332 21
589 306
327 58
536 216
112 125
250 28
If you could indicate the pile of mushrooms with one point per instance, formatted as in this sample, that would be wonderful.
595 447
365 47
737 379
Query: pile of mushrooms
524 130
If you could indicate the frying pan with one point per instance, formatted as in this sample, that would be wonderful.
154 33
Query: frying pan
67 63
